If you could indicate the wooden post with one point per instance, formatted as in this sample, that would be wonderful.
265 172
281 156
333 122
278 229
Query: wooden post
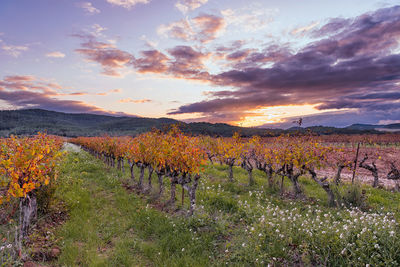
183 195
355 163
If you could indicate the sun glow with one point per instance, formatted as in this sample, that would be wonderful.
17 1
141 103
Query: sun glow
276 114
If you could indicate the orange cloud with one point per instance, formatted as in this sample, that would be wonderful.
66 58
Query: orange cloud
110 92
304 29
203 28
138 101
55 54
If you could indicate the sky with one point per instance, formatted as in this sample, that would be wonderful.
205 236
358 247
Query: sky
248 63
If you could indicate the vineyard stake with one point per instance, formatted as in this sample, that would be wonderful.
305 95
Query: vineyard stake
355 163
183 195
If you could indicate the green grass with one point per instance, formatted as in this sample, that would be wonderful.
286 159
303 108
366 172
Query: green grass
234 224
108 226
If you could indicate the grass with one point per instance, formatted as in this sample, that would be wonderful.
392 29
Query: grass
108 226
234 224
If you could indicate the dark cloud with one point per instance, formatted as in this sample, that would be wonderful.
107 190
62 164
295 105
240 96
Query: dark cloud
152 61
334 26
254 58
32 92
180 62
235 45
187 62
239 55
351 57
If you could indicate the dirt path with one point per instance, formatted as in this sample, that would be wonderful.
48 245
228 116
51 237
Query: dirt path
71 147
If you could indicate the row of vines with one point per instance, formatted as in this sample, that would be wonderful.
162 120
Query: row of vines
180 158
27 164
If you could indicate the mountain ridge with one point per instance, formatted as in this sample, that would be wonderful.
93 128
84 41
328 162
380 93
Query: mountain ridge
30 121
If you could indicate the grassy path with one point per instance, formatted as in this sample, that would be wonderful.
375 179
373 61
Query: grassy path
107 226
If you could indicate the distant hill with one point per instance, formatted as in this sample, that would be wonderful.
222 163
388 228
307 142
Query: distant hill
325 130
31 121
388 127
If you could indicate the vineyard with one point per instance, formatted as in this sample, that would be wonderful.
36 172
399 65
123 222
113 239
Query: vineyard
302 200
180 158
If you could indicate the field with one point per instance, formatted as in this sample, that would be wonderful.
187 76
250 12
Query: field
97 215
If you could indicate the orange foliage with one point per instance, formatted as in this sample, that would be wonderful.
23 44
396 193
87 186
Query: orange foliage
27 163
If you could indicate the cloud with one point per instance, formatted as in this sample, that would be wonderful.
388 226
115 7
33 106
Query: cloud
55 54
383 122
97 30
181 30
177 62
137 101
19 78
187 63
233 46
334 26
351 66
148 42
13 50
89 8
182 61
25 91
189 5
128 4
203 28
112 60
304 29
251 18
114 91
76 94
151 61
208 26
338 119
239 55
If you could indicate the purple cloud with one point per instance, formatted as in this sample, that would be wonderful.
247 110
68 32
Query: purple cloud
31 92
354 56
107 55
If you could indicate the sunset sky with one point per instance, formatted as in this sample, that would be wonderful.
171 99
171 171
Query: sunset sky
249 63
